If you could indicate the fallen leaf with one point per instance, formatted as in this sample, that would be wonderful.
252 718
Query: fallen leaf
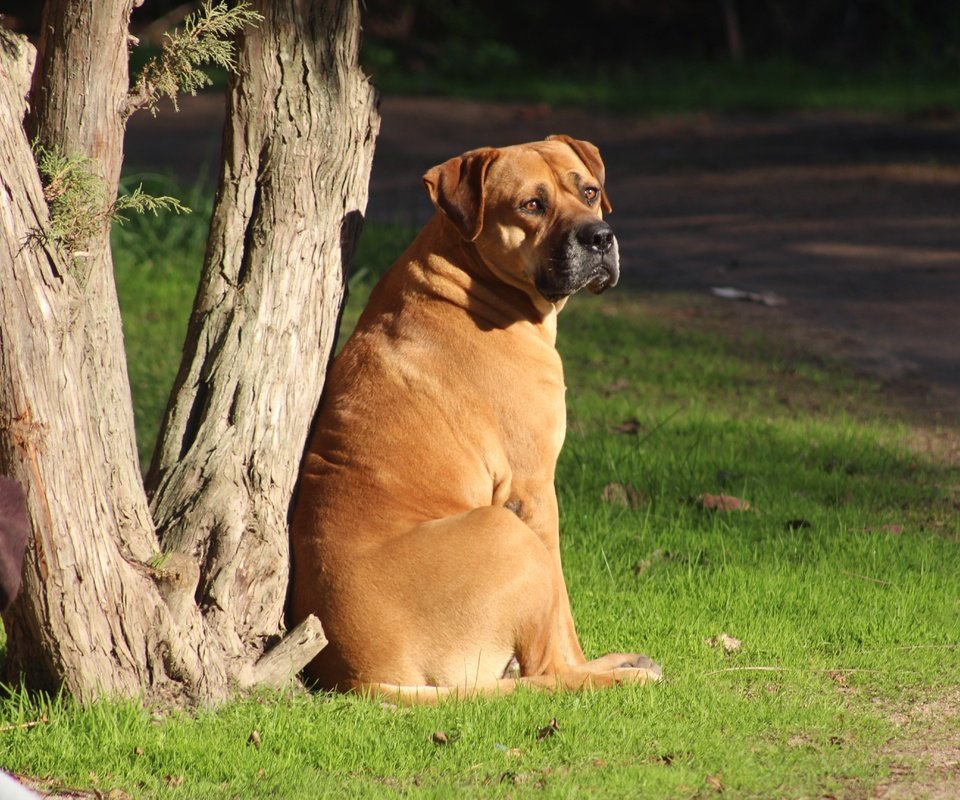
547 730
138 751
839 677
629 427
723 502
714 782
618 386
645 563
439 737
623 494
261 774
892 528
174 780
727 642
254 738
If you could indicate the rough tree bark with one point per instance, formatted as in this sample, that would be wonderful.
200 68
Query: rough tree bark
66 430
98 615
79 49
285 221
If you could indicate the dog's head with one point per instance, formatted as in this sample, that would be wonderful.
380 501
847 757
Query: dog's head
534 212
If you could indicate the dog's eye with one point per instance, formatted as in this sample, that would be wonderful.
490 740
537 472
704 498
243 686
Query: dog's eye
591 193
532 206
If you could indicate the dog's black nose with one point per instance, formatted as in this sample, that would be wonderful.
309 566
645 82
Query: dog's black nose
597 236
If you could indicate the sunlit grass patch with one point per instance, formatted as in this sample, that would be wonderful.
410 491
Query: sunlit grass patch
841 583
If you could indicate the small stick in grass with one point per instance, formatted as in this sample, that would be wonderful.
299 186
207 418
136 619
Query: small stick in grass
866 578
787 669
18 726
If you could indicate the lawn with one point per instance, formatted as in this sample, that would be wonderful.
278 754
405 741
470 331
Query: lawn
840 583
691 87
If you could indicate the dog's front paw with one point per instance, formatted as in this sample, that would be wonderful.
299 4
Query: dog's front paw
641 662
634 675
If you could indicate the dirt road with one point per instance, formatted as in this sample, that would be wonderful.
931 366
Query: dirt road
851 222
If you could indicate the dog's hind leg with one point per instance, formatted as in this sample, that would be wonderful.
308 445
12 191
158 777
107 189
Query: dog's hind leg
470 592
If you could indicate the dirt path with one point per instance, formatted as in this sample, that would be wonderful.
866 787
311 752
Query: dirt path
853 222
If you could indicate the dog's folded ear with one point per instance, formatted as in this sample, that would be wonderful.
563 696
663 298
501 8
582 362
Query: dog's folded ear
456 189
590 156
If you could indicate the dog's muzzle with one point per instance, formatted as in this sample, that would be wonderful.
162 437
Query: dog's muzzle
587 257
598 239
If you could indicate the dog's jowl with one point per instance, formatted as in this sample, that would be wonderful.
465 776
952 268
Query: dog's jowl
425 534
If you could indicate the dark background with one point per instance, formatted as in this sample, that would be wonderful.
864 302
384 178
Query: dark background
459 37
429 33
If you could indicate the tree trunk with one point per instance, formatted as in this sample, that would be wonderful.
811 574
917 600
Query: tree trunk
66 426
731 24
98 615
297 150
81 48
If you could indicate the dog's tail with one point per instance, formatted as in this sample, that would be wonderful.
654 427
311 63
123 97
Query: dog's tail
572 681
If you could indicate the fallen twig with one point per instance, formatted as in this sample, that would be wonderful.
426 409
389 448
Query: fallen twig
20 725
750 669
866 578
788 669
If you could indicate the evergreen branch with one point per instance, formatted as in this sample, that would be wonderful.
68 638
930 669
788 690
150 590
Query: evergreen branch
140 202
78 205
205 38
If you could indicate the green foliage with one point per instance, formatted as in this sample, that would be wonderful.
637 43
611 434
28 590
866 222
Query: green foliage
842 584
205 38
78 204
140 202
76 199
684 87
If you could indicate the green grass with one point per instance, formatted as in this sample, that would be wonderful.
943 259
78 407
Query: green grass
693 87
157 262
841 620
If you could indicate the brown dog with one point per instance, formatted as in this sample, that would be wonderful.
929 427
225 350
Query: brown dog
425 535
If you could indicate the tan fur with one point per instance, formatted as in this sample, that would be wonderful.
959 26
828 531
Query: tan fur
425 534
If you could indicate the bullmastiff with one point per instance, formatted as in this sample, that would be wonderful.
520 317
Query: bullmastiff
425 533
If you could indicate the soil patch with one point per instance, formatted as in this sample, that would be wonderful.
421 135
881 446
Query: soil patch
925 755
